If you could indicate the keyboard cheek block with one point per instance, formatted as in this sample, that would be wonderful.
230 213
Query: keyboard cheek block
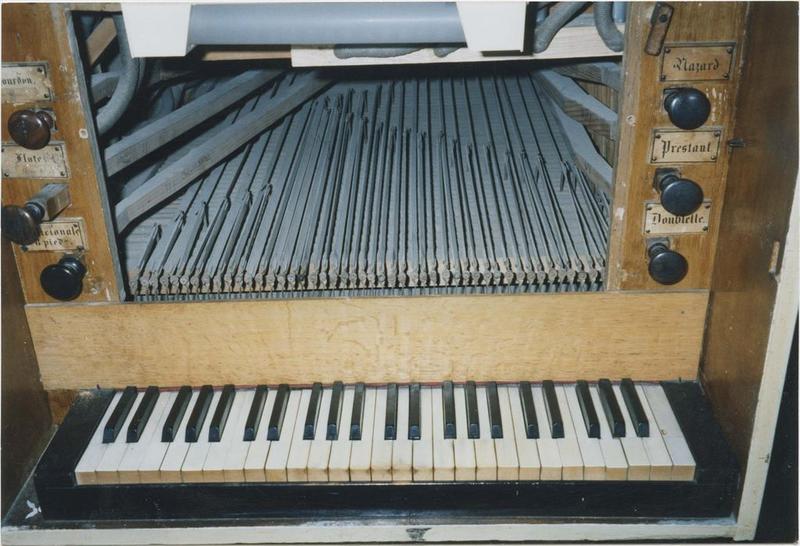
710 494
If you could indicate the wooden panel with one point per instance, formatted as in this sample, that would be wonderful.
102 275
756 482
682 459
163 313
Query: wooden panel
38 32
564 337
761 184
26 419
642 110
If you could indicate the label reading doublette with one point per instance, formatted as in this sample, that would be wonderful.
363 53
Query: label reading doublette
61 234
25 83
657 221
696 62
675 146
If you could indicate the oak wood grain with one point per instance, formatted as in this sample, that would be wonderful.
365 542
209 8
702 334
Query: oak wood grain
534 337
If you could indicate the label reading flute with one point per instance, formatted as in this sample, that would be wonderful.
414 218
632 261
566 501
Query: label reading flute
675 146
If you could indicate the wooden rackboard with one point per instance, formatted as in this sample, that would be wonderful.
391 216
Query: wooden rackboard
38 32
547 336
642 111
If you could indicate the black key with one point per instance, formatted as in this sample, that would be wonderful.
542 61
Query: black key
610 407
587 409
635 409
390 427
221 414
495 420
357 417
175 415
414 428
473 424
335 412
449 410
528 410
142 415
313 412
553 411
199 412
120 413
254 417
278 413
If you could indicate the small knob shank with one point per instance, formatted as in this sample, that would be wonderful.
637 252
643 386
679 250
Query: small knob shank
688 108
63 280
666 266
30 129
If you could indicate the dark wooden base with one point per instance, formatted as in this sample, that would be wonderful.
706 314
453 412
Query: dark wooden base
711 494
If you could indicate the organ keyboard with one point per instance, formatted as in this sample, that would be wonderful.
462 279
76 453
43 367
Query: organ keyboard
389 433
292 449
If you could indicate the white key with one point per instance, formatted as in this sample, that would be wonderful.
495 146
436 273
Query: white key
568 448
402 450
255 458
530 467
298 452
683 464
214 467
423 448
278 458
192 468
638 462
463 447
128 469
320 450
660 462
362 449
381 464
93 454
339 461
549 455
594 467
106 470
506 447
170 471
613 454
485 457
444 464
150 464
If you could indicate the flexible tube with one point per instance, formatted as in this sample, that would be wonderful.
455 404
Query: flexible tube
560 14
608 31
109 115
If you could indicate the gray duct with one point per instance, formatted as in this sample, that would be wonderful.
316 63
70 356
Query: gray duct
132 72
608 31
325 23
560 14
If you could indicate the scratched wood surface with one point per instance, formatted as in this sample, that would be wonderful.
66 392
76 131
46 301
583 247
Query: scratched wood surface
556 336
641 111
761 184
38 32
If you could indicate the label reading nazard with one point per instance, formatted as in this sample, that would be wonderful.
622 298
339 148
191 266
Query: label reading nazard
697 62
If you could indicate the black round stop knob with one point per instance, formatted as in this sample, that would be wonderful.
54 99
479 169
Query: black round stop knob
687 107
30 129
21 224
64 280
666 266
680 196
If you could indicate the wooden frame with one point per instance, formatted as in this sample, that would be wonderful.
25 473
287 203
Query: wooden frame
641 111
375 340
46 38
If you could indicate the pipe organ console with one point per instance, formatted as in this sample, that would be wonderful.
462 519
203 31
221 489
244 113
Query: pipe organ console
433 271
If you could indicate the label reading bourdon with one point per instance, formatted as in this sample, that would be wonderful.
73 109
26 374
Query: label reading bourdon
696 62
25 83
60 235
675 146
